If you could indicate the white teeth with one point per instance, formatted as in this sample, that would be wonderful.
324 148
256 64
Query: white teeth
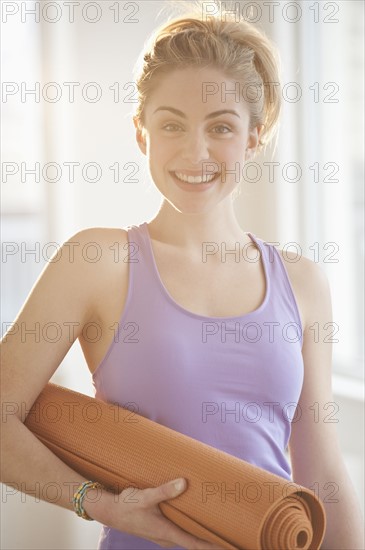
195 179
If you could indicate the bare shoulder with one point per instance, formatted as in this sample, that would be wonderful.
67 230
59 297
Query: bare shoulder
308 279
304 271
101 235
103 249
95 243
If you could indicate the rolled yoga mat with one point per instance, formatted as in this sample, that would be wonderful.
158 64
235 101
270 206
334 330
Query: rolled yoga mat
228 501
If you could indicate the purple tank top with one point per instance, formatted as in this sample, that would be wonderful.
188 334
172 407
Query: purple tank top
230 382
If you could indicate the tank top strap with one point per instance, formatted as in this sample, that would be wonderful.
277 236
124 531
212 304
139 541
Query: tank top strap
267 254
282 294
142 273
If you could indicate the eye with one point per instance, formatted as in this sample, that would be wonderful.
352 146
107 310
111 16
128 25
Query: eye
169 125
223 126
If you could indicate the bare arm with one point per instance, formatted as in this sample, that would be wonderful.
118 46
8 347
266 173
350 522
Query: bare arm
61 295
315 451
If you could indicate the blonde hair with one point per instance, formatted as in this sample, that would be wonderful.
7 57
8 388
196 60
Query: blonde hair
239 49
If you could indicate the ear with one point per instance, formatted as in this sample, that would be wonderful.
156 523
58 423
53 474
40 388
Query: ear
140 137
253 141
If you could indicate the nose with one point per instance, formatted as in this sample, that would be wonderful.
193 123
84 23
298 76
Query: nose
195 148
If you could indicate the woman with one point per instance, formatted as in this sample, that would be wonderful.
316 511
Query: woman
210 319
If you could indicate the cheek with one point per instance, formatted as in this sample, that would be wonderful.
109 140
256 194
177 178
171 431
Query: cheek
231 153
161 151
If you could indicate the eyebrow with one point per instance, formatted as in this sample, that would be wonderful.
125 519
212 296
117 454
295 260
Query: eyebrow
211 115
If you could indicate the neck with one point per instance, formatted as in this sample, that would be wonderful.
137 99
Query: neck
190 231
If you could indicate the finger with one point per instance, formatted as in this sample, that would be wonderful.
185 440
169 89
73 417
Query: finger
164 492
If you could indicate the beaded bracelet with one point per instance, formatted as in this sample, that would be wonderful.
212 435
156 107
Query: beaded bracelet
79 496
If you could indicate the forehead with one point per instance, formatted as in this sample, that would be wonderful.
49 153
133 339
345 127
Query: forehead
196 90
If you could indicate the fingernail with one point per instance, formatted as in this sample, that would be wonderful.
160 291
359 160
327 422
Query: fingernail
179 484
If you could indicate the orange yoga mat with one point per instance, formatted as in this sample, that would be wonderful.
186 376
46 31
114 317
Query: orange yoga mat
227 501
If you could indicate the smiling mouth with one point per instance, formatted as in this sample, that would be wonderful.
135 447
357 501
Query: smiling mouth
195 180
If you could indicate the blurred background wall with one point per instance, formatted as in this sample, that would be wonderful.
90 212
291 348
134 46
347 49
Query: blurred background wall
70 161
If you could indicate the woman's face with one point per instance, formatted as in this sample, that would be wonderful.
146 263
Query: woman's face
188 133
